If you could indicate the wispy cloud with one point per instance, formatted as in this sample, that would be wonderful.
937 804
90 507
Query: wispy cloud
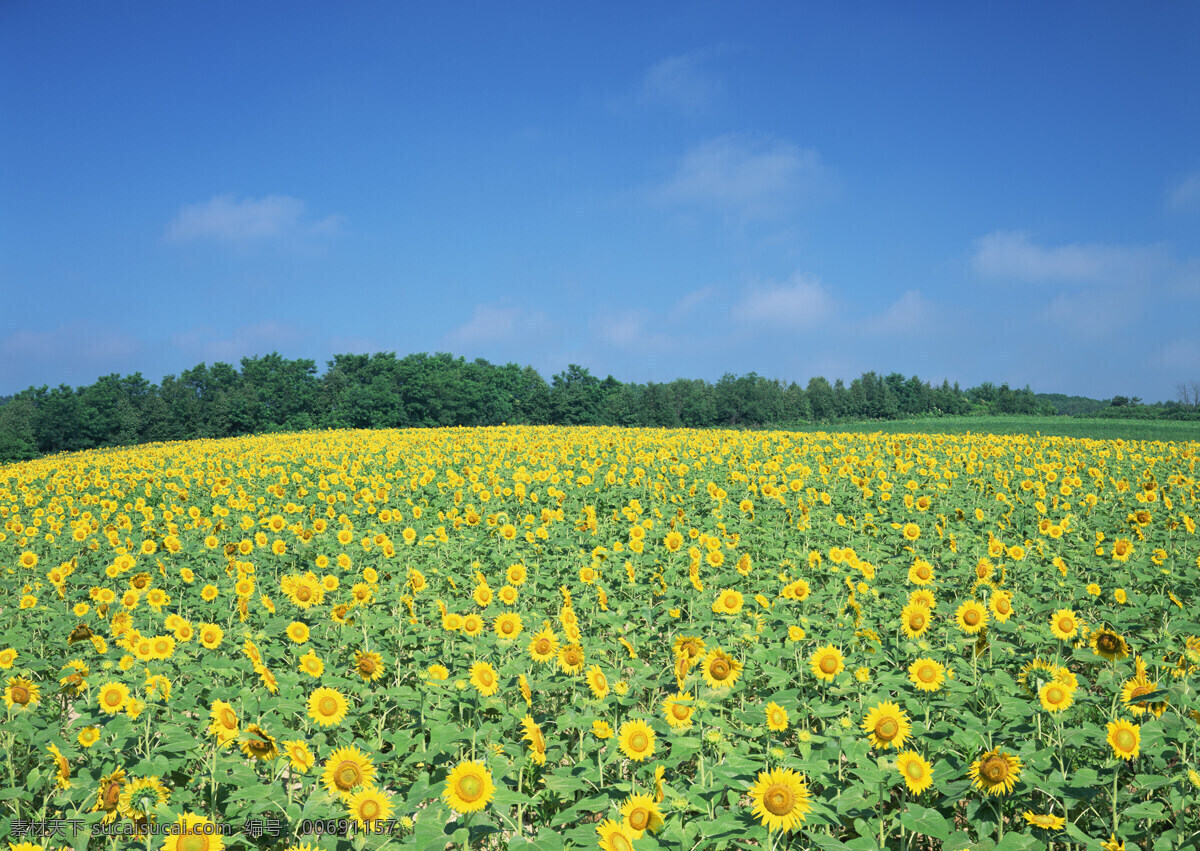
225 218
754 177
908 315
208 344
681 82
1185 193
491 323
799 302
1013 256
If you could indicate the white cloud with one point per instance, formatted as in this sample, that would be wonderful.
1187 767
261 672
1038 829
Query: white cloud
752 177
681 82
801 302
1185 194
225 218
912 313
1011 255
628 329
495 324
207 344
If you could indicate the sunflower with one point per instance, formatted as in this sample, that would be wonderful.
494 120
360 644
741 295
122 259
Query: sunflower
570 659
597 682
108 795
916 620
1044 820
678 712
1056 696
300 758
728 602
113 697
1138 687
298 632
141 795
368 665
923 597
1125 739
1064 624
927 674
971 617
827 662
916 771
921 573
368 806
194 833
781 799
720 670
327 707
602 730
636 740
614 836
21 693
347 770
88 736
63 779
469 787
258 743
543 646
777 717
537 740
508 625
483 677
1109 645
1000 605
225 725
996 772
472 625
887 725
640 814
689 647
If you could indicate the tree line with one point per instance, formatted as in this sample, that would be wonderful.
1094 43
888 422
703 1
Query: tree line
273 393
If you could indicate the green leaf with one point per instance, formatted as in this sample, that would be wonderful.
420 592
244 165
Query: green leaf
926 821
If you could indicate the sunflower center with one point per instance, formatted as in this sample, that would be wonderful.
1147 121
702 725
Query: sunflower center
887 729
828 664
719 669
227 716
192 842
303 594
1107 642
1126 740
112 698
1138 692
20 694
367 666
994 769
777 718
639 742
779 800
347 776
573 656
915 770
485 677
369 810
470 788
927 674
679 711
327 706
971 617
1066 625
923 573
639 818
620 843
542 647
1055 694
111 796
917 620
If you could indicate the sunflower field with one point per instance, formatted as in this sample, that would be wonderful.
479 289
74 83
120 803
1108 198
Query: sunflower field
554 638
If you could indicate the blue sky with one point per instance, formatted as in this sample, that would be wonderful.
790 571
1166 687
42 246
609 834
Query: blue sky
978 192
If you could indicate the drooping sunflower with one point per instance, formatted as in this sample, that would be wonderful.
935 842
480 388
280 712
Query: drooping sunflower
996 772
720 670
640 813
108 795
484 678
971 616
469 787
1135 689
927 674
1045 821
543 646
62 767
21 693
537 740
597 682
827 662
614 836
677 712
113 697
636 740
916 771
141 795
1064 624
915 620
689 647
1109 645
368 665
327 707
194 833
1056 696
258 744
781 799
1124 738
346 771
369 805
887 726
777 717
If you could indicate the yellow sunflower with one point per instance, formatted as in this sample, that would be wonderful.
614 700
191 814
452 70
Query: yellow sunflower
369 805
194 833
311 664
21 693
927 674
1109 645
469 787
971 617
141 795
887 725
1125 739
1056 696
108 795
996 772
640 813
597 682
508 625
570 659
327 707
728 602
258 744
781 799
300 758
346 771
537 740
720 670
1064 624
614 836
636 740
484 678
543 646
777 717
678 712
916 771
827 662
1045 821
915 619
113 697
368 665
224 724
298 632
